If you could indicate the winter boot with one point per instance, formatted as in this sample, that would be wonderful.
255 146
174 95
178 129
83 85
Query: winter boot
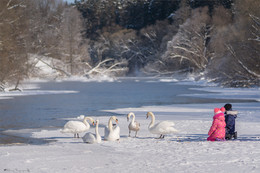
228 136
235 135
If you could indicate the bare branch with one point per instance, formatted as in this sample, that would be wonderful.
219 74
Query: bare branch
55 68
185 49
229 47
95 69
184 57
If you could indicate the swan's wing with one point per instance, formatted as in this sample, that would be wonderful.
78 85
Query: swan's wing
112 135
116 132
74 127
137 125
164 127
89 138
134 126
167 123
116 129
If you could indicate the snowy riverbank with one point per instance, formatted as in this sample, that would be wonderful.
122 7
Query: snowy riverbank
187 151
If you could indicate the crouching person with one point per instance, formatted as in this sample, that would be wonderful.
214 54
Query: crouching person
230 117
217 129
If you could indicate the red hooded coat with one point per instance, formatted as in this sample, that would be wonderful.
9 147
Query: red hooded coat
217 129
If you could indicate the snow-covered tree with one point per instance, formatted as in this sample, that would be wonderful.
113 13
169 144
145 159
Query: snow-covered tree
187 50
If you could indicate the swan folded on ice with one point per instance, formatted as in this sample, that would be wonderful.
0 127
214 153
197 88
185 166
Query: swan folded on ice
77 127
134 125
92 138
162 128
112 133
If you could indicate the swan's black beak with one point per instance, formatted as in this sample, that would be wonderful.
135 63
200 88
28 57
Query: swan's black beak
93 123
127 119
146 116
117 121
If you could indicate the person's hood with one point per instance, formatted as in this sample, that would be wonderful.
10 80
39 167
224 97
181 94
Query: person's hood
219 116
234 113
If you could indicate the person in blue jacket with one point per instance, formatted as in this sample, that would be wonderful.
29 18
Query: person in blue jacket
230 117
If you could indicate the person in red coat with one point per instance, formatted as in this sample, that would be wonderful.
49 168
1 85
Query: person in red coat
217 130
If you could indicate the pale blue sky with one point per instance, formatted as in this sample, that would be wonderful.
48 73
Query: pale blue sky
69 1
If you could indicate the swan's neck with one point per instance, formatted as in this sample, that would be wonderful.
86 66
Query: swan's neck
133 119
152 120
86 122
97 134
110 124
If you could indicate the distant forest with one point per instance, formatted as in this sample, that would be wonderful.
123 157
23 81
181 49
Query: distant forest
217 40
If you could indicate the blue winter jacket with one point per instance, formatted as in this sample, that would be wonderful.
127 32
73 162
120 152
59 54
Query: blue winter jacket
230 117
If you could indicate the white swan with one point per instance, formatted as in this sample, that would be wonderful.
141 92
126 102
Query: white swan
112 133
162 128
92 138
134 125
77 127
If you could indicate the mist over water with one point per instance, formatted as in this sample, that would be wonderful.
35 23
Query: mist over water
51 110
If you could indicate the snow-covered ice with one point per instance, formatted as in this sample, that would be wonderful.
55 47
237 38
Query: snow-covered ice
187 151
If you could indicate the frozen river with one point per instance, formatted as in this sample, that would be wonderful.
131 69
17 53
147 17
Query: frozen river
50 103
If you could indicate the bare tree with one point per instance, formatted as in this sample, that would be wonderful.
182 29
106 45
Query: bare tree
73 48
187 51
236 59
